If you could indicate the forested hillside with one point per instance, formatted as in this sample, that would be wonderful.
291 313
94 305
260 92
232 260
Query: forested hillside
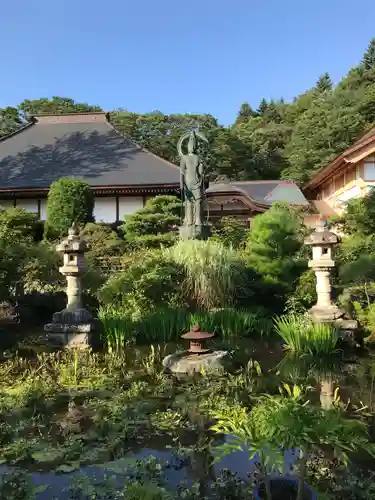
278 139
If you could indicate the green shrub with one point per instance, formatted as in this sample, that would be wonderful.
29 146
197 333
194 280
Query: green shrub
18 225
149 282
69 200
273 248
153 225
214 274
302 335
230 231
103 242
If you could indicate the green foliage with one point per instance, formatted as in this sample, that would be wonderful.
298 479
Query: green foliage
69 200
18 225
230 231
214 274
304 295
168 324
149 282
103 242
153 225
273 244
279 423
324 83
369 56
55 105
303 336
359 215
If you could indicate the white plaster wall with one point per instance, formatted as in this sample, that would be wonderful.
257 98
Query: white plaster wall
29 205
105 209
129 205
349 194
43 209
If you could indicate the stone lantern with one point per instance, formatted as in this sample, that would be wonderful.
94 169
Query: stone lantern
72 326
322 241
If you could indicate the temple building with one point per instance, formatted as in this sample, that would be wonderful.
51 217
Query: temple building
350 175
122 174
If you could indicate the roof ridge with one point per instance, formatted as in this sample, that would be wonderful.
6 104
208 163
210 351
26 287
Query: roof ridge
362 141
138 146
267 181
71 113
15 132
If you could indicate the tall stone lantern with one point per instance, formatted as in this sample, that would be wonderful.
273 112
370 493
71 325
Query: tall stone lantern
72 327
322 241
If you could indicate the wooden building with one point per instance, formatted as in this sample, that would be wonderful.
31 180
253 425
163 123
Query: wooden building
122 174
350 175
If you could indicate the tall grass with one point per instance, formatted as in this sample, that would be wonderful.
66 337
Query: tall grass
117 327
167 325
302 335
214 273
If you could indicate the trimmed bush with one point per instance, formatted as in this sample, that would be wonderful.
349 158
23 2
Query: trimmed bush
153 225
69 200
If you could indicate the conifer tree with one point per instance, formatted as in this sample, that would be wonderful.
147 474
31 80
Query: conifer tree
324 83
369 56
245 112
263 106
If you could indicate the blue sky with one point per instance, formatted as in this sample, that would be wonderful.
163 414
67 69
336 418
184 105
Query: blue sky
193 56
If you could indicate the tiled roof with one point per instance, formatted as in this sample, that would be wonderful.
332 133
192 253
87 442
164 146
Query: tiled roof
264 192
83 145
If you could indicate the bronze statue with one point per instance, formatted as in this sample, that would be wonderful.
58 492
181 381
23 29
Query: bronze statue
192 185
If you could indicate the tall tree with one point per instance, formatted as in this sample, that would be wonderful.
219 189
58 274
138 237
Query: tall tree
10 120
324 83
263 105
245 112
369 56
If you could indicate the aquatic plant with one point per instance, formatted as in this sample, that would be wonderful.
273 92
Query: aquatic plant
116 327
300 334
278 423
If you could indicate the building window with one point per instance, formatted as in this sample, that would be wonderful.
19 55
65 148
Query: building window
369 169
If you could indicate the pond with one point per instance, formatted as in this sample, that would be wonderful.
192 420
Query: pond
72 420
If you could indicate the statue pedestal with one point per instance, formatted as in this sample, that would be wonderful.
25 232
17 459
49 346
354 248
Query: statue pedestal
194 232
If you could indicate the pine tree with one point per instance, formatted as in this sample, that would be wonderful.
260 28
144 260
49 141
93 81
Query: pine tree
369 56
263 105
324 83
245 112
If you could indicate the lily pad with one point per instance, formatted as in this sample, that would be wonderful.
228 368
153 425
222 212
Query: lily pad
44 455
66 468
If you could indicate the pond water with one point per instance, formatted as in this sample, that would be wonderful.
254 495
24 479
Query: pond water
131 411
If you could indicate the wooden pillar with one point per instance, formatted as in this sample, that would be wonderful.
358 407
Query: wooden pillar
117 209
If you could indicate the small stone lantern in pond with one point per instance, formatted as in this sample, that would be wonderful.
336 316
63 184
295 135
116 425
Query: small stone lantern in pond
198 357
72 326
197 340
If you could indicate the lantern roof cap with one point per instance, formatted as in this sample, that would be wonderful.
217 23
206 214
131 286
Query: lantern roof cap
322 235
